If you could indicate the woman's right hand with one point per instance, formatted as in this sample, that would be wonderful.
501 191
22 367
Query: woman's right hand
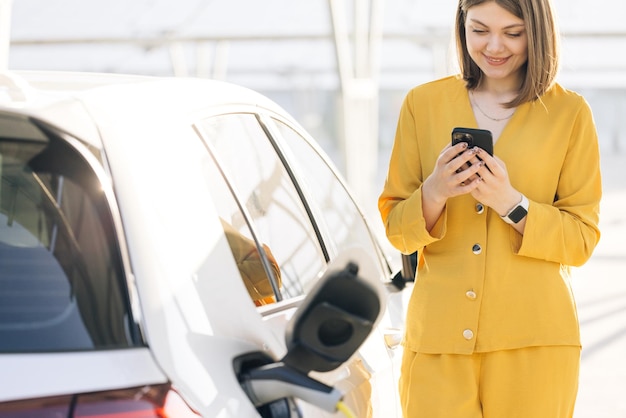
454 175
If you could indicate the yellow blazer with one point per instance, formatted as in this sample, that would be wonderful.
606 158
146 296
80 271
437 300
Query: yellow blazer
481 286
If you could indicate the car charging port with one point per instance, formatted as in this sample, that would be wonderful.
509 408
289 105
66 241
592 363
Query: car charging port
329 326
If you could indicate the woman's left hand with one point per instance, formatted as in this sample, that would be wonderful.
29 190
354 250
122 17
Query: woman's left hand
492 187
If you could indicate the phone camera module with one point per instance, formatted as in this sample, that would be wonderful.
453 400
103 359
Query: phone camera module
464 137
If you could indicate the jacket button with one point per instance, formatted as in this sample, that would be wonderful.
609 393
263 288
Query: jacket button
471 295
476 249
468 334
480 208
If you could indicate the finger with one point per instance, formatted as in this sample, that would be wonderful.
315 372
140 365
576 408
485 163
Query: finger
475 158
483 172
466 176
470 184
491 162
461 162
453 151
463 168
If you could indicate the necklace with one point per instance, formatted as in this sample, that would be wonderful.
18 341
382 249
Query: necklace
475 103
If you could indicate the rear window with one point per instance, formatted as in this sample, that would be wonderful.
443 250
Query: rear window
61 279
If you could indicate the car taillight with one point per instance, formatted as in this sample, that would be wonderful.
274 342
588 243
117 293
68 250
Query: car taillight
158 401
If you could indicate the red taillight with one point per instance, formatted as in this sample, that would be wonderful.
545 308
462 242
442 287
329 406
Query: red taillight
159 401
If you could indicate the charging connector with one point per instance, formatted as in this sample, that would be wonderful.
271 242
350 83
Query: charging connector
275 381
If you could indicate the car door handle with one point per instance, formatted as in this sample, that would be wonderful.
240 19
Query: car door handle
393 337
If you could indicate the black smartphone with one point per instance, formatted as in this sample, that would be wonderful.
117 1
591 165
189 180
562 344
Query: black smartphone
481 138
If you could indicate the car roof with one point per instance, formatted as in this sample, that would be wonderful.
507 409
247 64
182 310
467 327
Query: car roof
68 99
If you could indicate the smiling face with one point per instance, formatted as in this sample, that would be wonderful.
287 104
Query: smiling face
497 42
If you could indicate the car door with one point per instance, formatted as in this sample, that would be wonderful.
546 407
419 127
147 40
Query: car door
301 227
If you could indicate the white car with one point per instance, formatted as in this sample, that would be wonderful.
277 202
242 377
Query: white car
181 247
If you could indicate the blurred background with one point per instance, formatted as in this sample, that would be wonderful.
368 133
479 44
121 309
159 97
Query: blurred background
342 68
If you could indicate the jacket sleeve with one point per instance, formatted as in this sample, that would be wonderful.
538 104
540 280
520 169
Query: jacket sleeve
567 231
400 203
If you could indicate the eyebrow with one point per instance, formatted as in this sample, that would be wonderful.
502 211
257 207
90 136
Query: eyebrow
514 25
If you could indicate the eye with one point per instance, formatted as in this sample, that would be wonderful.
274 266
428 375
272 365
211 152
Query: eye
479 31
514 35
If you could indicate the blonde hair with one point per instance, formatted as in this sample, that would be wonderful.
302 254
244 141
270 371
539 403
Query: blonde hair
543 46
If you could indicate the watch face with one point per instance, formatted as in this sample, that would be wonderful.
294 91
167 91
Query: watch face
518 214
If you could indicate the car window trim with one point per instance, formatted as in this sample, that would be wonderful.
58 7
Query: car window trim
244 211
294 180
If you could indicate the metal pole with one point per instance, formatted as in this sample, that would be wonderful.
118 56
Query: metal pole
358 74
5 33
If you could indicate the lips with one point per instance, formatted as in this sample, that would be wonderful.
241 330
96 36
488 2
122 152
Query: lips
495 61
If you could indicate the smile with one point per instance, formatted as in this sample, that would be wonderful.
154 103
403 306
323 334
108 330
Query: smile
495 61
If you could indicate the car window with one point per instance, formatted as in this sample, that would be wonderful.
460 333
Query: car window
344 222
267 197
257 265
61 280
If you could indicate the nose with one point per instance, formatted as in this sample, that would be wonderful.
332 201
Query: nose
494 43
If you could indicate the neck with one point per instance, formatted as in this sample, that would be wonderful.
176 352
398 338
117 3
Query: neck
492 107
502 89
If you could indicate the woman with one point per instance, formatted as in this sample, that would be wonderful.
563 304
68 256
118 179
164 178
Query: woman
492 329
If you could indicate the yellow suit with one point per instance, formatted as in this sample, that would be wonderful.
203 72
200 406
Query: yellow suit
481 286
492 329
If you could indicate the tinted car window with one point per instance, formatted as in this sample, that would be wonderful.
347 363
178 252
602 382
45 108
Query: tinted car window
60 272
344 222
268 196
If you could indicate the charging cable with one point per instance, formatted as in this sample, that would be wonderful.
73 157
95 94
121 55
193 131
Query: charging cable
345 410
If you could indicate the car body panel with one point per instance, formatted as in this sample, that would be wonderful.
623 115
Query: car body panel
51 374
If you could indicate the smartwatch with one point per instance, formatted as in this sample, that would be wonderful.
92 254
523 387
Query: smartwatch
518 212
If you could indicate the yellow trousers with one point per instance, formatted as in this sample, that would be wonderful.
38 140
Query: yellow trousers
535 382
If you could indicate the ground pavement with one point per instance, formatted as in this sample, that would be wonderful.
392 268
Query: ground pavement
600 291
